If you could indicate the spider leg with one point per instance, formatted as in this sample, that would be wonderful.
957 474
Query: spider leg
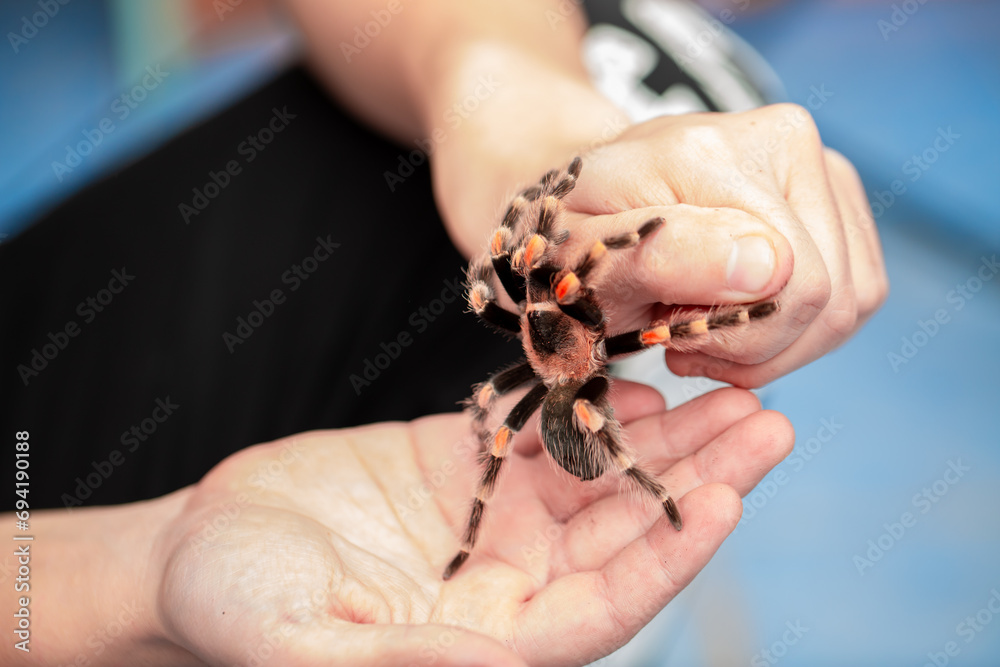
571 292
545 236
493 465
585 310
483 301
565 185
592 415
519 205
500 257
485 394
571 284
549 184
551 190
687 334
510 255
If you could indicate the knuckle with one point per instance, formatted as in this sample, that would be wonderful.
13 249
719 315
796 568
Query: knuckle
872 295
796 115
710 139
794 123
841 318
838 163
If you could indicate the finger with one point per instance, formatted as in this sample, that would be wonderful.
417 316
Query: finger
813 203
658 439
819 307
634 400
371 645
871 284
663 439
700 255
594 612
739 458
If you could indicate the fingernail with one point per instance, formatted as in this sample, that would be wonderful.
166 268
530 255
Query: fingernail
751 264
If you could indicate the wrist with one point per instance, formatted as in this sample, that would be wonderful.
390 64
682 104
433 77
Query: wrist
498 120
94 582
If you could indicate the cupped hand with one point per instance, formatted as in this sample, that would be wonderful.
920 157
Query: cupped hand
328 547
755 207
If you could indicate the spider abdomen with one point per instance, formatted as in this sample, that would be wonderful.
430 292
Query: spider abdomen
576 450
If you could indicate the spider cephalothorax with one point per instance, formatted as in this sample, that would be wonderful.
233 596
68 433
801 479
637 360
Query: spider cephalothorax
561 324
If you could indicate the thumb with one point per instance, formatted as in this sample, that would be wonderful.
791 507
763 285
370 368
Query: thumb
700 256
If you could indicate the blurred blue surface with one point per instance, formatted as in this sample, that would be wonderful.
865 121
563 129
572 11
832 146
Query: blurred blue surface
792 559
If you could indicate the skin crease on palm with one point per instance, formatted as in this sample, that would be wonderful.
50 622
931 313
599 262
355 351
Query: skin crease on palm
328 546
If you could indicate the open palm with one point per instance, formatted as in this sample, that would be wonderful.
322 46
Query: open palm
328 547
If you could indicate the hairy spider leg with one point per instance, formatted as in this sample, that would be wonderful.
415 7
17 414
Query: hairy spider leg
688 333
591 412
571 292
513 283
536 242
520 204
549 184
542 238
485 394
483 301
571 284
493 465
550 189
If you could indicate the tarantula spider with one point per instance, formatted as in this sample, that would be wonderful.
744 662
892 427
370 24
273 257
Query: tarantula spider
562 327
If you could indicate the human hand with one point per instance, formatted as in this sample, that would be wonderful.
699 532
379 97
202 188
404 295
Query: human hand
328 547
755 208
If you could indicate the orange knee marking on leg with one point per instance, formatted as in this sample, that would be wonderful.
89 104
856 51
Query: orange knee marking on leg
497 242
517 259
534 250
550 206
744 316
501 442
656 335
699 326
588 415
625 460
477 298
598 251
567 288
485 396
